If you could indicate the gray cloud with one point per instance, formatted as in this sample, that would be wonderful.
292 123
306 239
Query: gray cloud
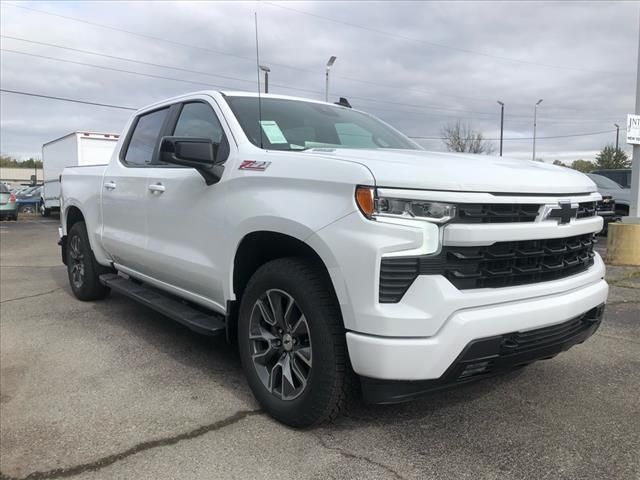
590 50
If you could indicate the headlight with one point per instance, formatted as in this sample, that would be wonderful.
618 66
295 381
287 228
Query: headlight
373 206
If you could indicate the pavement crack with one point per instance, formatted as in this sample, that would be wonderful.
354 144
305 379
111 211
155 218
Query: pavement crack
353 456
141 447
30 296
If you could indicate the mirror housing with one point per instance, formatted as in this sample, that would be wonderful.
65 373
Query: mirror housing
193 152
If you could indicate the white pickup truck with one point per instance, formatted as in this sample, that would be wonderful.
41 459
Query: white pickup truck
342 257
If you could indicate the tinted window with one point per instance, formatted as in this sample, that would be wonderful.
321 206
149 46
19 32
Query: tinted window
145 138
3 188
616 176
604 182
198 120
298 125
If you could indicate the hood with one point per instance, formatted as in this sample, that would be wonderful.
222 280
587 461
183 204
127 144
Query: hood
426 170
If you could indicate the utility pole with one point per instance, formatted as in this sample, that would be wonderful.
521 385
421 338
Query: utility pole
501 123
535 117
634 207
266 71
617 134
330 63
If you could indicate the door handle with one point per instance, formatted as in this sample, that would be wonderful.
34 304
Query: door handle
156 188
110 185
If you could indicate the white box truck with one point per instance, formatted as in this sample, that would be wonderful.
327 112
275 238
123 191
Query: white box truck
77 149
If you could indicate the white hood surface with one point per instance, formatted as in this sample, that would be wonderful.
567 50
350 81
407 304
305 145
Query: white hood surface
427 170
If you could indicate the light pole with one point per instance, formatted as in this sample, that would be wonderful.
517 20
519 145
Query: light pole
266 71
330 63
617 134
535 117
501 123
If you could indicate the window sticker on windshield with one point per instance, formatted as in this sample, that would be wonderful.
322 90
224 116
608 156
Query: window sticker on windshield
273 132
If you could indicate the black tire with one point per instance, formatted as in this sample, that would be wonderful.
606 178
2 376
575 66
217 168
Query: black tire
86 286
44 211
331 382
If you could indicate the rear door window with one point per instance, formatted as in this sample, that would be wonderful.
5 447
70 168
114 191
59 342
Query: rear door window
145 138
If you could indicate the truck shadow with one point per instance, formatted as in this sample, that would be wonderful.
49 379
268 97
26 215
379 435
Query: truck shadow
219 361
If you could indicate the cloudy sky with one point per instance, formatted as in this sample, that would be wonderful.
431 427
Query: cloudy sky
416 65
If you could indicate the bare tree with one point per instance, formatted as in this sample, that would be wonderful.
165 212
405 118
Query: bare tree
461 137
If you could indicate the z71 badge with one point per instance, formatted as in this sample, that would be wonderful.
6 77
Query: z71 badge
254 165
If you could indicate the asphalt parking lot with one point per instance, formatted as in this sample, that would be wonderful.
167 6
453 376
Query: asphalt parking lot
112 390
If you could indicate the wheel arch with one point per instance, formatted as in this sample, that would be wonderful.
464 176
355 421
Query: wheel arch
73 213
256 249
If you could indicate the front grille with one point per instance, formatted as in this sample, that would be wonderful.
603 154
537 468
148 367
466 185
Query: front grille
605 205
496 213
586 209
541 337
502 264
487 356
509 212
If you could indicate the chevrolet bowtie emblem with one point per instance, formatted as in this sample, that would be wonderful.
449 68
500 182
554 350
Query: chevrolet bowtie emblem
564 213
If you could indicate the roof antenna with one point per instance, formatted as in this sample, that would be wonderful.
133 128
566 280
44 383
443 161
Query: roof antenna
255 17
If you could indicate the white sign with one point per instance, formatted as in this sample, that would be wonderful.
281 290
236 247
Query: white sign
633 129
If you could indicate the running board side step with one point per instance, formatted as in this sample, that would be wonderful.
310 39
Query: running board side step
168 305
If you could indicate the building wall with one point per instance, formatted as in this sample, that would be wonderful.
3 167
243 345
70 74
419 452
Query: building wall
19 175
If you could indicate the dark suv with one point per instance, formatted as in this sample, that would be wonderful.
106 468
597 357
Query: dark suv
622 176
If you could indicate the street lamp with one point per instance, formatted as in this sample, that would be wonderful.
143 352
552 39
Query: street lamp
617 134
501 123
535 115
330 63
266 71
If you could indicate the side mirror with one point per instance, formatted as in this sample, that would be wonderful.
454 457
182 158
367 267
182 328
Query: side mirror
198 153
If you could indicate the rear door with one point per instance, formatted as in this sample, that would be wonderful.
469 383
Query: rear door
124 192
186 217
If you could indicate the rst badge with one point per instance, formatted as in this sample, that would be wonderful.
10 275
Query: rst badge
254 165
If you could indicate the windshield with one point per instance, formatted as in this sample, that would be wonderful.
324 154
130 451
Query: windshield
604 182
298 125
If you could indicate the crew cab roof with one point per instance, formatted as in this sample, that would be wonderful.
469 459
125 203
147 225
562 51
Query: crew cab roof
233 93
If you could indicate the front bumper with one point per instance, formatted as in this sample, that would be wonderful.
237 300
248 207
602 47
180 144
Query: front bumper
428 358
490 356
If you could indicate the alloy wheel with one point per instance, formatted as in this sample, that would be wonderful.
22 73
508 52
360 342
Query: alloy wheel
77 261
280 344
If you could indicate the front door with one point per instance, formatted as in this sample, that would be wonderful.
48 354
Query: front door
185 216
124 193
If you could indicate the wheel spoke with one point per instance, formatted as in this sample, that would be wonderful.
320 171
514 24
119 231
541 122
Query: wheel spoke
288 387
274 377
304 354
264 311
300 327
275 302
302 379
263 355
288 311
74 247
